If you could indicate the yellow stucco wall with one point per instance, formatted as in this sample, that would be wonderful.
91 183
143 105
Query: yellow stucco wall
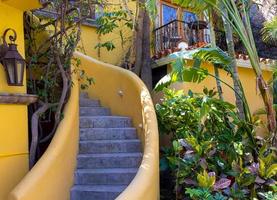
52 176
126 95
90 38
247 78
23 4
13 118
51 180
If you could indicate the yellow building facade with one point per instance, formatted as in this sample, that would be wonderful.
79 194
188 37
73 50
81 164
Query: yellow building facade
14 120
41 183
90 39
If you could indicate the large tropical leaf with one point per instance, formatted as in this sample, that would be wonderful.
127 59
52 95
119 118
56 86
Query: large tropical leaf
215 56
163 83
197 6
269 32
182 73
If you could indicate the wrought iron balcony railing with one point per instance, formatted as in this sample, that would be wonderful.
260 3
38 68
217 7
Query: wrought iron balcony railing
168 36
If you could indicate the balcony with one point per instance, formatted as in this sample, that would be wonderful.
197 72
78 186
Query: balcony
178 35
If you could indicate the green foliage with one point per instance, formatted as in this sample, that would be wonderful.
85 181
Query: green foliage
181 72
216 56
204 194
110 21
108 45
197 6
205 180
269 32
268 195
212 155
151 8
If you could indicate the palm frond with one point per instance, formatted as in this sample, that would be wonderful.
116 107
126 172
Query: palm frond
269 32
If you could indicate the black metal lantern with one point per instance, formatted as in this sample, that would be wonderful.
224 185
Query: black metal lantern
12 61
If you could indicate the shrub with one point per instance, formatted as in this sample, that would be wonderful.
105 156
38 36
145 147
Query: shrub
212 155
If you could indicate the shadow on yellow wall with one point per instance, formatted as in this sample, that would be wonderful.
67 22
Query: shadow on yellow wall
247 78
90 38
13 118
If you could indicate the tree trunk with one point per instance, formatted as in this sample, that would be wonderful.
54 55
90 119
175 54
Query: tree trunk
138 40
34 142
213 43
142 47
231 51
146 70
268 101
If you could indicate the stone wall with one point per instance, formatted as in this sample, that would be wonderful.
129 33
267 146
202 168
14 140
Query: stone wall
263 10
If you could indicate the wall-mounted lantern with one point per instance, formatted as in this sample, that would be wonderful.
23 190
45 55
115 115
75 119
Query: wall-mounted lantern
12 61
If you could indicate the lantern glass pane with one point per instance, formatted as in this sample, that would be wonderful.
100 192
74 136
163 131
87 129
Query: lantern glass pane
19 69
10 70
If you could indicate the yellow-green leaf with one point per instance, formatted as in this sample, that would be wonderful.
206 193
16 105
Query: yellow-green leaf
271 171
261 168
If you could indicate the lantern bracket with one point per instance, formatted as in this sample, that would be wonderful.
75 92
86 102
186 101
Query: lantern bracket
4 47
11 59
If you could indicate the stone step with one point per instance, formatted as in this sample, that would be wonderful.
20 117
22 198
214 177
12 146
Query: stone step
105 122
94 111
107 133
89 103
115 176
111 160
96 192
110 146
84 95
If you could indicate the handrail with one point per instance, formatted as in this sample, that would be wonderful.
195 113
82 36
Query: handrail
123 92
171 22
52 176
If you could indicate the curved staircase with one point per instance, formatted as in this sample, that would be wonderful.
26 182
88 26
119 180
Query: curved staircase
109 153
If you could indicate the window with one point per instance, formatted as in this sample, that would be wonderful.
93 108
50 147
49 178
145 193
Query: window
168 14
189 17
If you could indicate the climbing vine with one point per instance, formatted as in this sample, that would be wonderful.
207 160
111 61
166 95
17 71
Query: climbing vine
50 45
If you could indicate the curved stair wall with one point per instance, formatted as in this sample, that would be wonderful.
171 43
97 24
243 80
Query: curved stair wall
123 92
52 177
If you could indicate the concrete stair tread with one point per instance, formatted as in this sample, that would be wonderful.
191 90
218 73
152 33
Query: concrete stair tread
105 176
104 117
107 155
105 122
110 146
107 133
99 188
108 171
95 111
84 95
89 102
109 160
110 128
110 141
